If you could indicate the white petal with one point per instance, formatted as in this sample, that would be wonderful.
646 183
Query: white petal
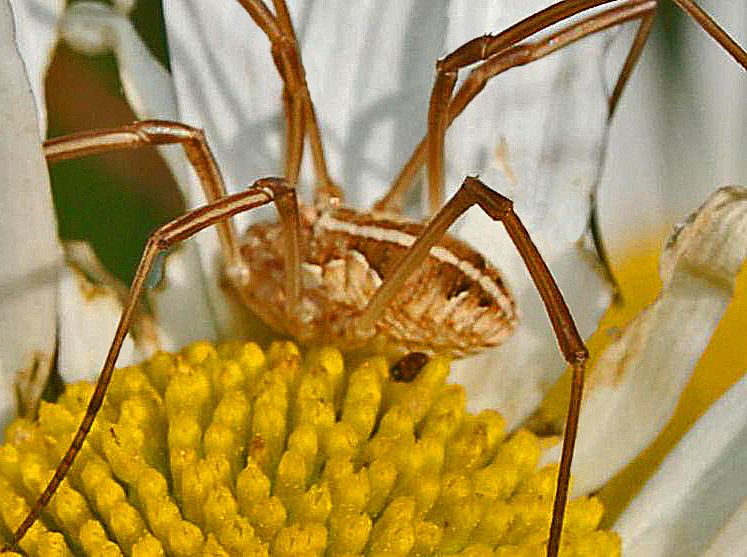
369 68
370 71
699 487
706 107
731 536
36 35
638 379
724 137
217 54
89 312
515 376
178 302
549 118
29 249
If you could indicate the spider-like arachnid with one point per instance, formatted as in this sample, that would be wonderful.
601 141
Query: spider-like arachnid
328 274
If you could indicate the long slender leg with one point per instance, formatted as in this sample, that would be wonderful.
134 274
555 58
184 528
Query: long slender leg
156 132
476 50
296 103
292 101
287 57
295 123
634 54
714 30
519 55
326 190
474 192
486 48
447 69
262 192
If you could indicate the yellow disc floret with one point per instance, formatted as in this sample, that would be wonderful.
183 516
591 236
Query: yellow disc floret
229 450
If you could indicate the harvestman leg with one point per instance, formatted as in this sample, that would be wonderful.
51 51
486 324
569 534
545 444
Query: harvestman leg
300 116
154 132
500 53
445 108
164 132
261 193
498 207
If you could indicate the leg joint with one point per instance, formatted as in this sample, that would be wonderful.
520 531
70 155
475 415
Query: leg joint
168 132
158 239
278 188
492 202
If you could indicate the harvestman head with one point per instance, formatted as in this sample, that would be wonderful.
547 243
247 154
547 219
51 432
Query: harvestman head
468 308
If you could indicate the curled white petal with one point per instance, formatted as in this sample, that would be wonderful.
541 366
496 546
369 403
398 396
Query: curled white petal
29 249
698 490
639 378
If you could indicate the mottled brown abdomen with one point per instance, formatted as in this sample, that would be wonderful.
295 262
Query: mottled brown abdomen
456 302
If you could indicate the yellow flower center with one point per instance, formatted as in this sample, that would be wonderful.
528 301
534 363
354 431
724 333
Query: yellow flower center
227 450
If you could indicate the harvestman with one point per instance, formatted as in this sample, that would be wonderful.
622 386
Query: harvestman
317 312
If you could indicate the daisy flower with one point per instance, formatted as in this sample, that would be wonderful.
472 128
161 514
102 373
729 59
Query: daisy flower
538 134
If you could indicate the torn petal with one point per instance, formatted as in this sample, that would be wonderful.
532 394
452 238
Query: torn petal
638 379
29 249
697 497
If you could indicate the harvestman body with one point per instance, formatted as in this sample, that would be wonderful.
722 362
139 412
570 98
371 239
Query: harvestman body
333 275
455 301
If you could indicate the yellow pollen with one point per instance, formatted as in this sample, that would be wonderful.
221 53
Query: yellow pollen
229 450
